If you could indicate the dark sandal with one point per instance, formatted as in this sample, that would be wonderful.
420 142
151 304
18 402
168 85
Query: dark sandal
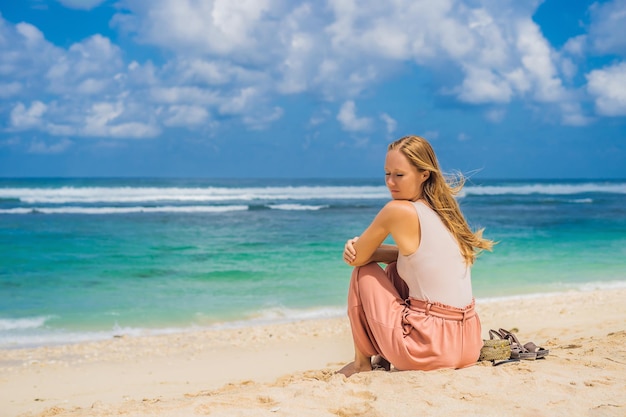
496 363
495 334
518 351
538 350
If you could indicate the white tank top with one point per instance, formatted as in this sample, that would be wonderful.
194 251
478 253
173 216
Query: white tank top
436 271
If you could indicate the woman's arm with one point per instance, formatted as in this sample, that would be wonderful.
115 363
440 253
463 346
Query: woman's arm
397 218
385 254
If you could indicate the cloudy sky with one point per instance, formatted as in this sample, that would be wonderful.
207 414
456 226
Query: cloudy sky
286 88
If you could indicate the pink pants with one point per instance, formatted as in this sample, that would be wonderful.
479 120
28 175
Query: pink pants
411 334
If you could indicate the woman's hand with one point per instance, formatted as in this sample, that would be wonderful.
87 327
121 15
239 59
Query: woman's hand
349 252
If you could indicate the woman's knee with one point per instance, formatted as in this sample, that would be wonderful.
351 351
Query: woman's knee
370 278
371 268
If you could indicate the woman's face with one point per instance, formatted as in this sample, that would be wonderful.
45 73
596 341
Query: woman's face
404 180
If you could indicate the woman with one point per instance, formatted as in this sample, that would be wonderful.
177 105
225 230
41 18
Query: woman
418 313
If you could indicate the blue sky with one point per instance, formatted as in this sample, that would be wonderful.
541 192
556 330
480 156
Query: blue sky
280 88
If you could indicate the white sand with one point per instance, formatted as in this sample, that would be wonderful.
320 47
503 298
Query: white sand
288 370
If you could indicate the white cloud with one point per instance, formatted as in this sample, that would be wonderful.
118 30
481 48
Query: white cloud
431 135
206 72
91 86
607 85
186 116
56 129
607 32
576 45
519 81
100 115
491 39
350 121
295 65
9 89
132 130
390 123
41 147
495 115
575 119
23 117
30 33
88 67
24 53
498 48
568 68
240 101
10 142
259 121
221 27
482 85
573 115
538 64
109 119
184 95
81 4
227 58
140 75
319 117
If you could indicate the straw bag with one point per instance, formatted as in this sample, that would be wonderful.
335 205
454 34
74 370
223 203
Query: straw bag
495 350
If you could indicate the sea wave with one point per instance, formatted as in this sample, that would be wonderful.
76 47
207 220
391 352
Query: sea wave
212 194
560 288
277 315
209 194
157 209
52 337
296 207
545 188
122 210
13 324
24 336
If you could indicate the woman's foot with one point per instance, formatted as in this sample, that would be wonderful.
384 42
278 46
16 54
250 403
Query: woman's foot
378 362
354 368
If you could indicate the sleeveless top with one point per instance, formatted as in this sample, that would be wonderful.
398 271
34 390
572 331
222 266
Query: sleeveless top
436 272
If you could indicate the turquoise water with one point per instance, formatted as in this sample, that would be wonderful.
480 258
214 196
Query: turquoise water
84 259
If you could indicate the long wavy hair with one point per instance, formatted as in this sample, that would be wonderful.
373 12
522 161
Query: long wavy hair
439 191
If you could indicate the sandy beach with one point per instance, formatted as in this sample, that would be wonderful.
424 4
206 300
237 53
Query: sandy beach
288 370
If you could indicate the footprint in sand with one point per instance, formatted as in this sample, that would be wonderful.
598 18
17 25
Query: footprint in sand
359 409
356 410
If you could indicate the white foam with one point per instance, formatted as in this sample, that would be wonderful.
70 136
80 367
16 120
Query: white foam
295 207
129 195
559 288
32 332
29 337
209 194
550 189
123 210
7 324
278 315
52 337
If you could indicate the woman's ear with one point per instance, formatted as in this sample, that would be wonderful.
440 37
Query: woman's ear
425 175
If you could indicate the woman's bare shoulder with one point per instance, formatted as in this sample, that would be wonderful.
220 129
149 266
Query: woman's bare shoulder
400 205
403 223
399 208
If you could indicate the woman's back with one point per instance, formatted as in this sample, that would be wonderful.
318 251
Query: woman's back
436 271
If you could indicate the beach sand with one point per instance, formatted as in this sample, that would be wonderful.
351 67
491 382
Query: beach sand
288 370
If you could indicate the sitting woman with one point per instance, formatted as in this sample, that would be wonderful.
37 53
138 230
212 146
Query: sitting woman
417 313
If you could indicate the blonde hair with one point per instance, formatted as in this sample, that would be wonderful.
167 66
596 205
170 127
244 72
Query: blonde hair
439 192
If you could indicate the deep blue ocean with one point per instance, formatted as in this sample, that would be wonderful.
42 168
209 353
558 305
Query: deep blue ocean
86 259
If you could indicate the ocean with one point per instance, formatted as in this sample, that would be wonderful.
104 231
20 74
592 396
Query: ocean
89 259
